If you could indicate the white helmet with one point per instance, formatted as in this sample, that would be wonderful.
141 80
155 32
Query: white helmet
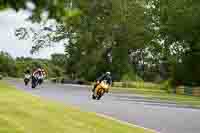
108 73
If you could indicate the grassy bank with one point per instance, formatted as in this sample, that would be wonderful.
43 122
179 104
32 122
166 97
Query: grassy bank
179 99
153 91
22 113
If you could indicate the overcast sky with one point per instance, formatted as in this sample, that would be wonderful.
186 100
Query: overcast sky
9 21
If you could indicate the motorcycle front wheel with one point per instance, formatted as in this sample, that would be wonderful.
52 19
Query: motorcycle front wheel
100 93
26 81
34 82
33 85
93 97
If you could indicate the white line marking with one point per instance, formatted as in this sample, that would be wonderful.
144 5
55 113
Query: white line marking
125 123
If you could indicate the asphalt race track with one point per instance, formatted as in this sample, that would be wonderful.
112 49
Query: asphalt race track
162 117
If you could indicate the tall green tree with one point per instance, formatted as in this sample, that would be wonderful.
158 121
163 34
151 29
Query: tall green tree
99 35
109 29
59 59
7 65
178 30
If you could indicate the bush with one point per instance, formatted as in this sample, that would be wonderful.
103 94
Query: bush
167 86
4 75
130 76
137 84
129 84
1 77
187 73
55 80
117 84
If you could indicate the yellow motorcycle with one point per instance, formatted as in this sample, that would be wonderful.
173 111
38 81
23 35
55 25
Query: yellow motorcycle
100 90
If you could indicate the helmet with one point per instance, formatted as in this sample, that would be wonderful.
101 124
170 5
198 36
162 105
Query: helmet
39 69
108 73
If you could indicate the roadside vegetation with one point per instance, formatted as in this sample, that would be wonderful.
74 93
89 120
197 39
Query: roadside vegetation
135 40
157 92
138 41
10 67
22 113
57 73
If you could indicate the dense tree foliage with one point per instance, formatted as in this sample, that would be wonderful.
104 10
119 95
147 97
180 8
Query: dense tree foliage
99 36
59 60
108 30
178 30
16 67
127 37
7 65
180 25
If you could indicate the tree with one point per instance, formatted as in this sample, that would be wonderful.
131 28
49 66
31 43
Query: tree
52 68
56 10
59 60
7 65
180 23
99 35
111 31
176 24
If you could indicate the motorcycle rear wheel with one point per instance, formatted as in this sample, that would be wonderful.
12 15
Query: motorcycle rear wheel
93 97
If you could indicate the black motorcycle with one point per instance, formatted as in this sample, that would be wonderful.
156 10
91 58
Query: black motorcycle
40 81
34 82
26 79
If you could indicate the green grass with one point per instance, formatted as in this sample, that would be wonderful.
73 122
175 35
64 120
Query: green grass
23 113
139 90
154 91
137 84
179 99
162 95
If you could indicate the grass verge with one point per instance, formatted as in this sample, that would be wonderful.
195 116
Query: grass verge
23 113
158 94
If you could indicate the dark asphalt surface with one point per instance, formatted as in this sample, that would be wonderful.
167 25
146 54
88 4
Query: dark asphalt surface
162 117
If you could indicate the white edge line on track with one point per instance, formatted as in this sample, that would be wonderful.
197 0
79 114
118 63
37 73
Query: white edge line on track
125 123
107 117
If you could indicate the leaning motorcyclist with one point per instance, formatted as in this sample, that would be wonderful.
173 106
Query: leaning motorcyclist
39 73
27 76
27 73
107 77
